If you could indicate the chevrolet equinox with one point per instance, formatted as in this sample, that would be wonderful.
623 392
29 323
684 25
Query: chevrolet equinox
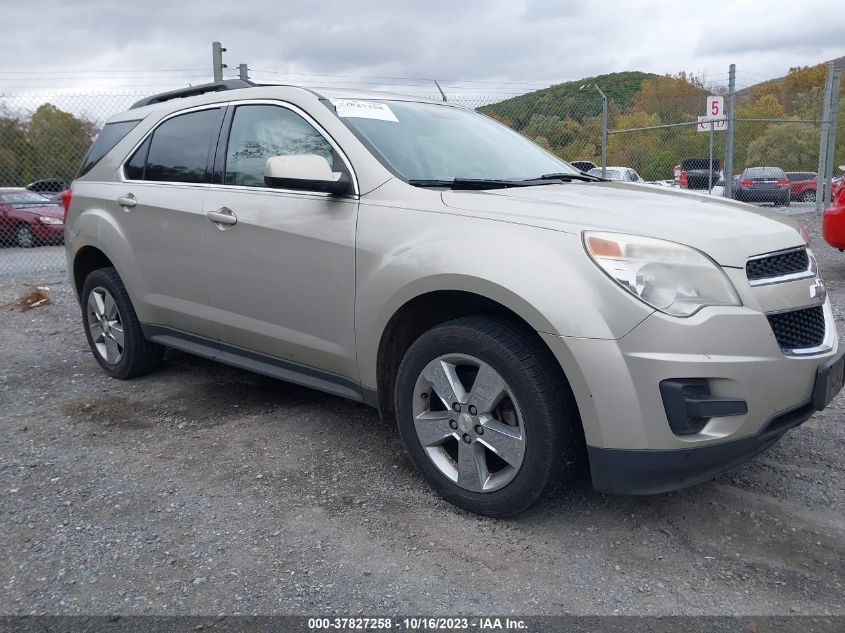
506 309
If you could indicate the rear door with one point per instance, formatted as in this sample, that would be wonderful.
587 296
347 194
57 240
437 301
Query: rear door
160 204
281 278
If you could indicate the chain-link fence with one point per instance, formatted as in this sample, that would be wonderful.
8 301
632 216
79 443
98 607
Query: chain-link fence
635 125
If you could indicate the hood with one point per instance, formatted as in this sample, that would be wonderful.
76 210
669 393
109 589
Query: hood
726 230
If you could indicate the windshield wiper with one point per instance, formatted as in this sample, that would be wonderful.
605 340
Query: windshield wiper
566 176
475 184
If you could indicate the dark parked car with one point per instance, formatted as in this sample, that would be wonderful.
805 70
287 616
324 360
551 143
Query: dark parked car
28 219
802 185
697 173
583 165
762 184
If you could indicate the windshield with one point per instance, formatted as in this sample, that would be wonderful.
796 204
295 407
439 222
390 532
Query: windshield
20 199
424 141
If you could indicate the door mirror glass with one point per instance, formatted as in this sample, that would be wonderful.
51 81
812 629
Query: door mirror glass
304 172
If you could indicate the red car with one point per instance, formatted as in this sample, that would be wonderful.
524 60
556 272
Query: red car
28 219
833 222
802 185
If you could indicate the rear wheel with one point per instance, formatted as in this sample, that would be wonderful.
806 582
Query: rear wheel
112 328
808 196
484 415
24 237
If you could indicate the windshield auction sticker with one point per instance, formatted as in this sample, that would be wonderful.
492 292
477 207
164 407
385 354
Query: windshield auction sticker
363 110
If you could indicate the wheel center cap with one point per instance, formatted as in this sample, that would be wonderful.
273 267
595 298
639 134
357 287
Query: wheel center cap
464 422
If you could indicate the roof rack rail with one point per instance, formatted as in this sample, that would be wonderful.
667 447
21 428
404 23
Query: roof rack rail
192 91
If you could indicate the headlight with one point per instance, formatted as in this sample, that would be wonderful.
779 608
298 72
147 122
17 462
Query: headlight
670 277
49 219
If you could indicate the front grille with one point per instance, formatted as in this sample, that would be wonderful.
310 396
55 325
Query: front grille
799 329
787 263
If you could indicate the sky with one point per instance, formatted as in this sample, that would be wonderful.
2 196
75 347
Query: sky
494 46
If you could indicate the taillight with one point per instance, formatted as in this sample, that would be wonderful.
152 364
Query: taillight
746 183
783 181
683 178
66 195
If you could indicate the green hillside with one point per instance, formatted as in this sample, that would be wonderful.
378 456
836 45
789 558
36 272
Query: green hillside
567 101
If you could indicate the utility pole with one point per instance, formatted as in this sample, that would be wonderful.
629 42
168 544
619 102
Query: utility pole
729 141
603 127
243 72
831 137
821 185
217 51
603 132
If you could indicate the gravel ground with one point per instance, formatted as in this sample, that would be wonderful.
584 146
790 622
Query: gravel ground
203 489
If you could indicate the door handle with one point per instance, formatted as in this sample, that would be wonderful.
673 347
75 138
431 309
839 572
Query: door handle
224 216
127 202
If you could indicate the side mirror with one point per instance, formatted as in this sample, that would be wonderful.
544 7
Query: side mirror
304 172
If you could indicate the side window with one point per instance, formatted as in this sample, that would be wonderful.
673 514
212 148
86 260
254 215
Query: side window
134 169
178 149
261 131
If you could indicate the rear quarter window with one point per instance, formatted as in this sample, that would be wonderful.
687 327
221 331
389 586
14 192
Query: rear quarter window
109 136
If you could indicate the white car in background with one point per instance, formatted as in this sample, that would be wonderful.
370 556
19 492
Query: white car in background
617 173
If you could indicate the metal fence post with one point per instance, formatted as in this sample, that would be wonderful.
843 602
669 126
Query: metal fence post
217 51
729 141
603 131
243 72
831 136
820 177
710 164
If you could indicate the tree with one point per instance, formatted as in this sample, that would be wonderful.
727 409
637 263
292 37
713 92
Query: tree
551 131
59 141
674 99
791 146
15 151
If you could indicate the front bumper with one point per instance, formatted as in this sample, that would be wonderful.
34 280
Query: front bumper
616 383
48 233
645 472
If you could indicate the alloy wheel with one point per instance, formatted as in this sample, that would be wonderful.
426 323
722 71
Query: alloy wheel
468 422
105 325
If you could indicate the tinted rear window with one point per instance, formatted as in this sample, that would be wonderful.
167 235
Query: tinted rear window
764 172
179 147
111 135
699 163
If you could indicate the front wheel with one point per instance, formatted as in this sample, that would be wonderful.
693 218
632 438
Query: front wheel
112 328
808 196
486 415
24 237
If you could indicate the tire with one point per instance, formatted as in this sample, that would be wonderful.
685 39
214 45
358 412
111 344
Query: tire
534 409
808 196
24 237
107 311
785 201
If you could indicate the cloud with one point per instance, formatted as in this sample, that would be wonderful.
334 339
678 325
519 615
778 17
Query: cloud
499 41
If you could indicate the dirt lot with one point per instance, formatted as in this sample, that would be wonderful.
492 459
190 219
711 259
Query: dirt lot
204 489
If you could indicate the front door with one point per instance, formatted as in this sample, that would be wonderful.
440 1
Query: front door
280 264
